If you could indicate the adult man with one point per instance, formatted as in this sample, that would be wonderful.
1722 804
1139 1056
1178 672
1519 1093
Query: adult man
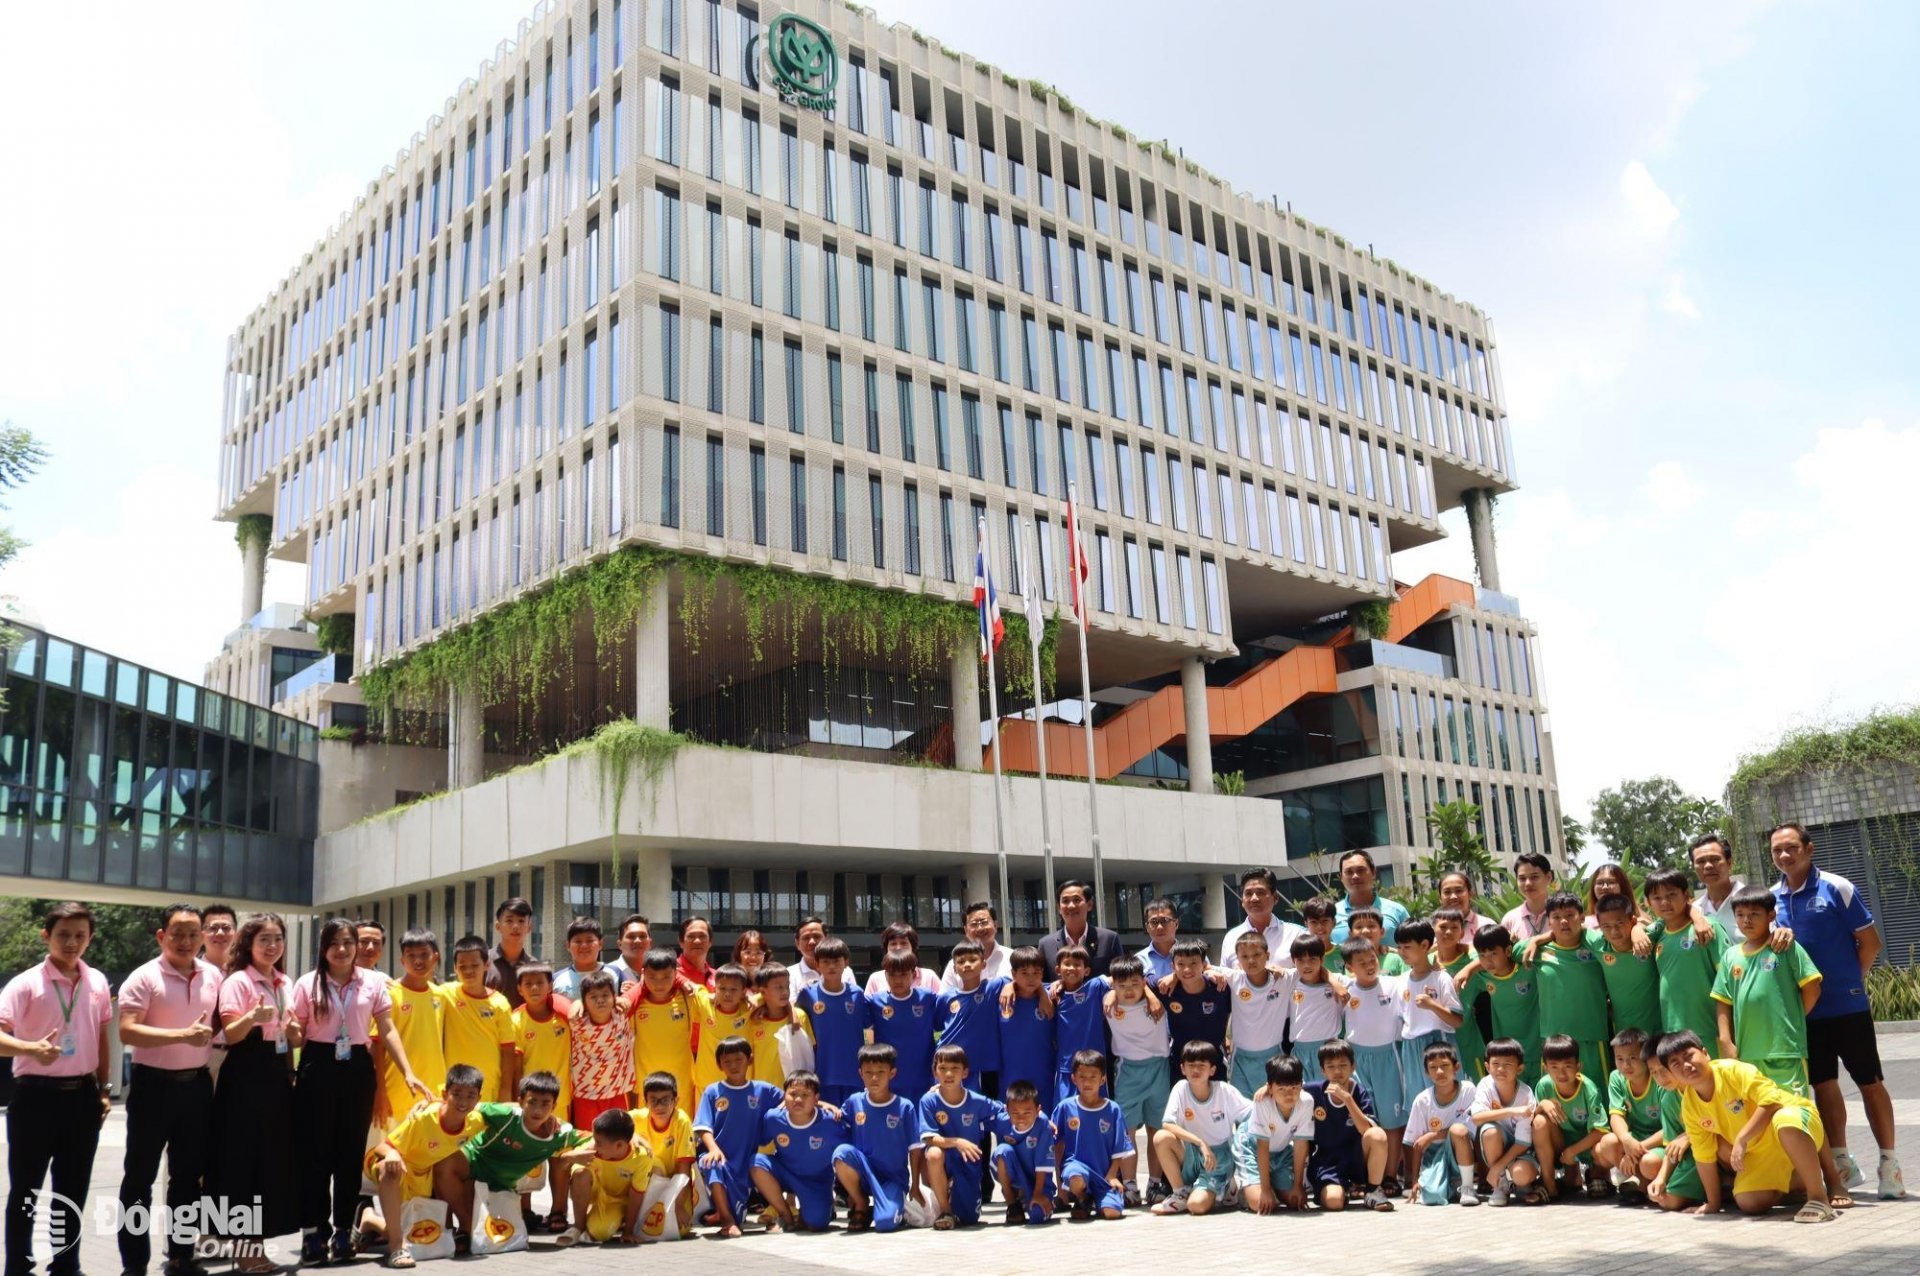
218 926
369 943
1163 927
1533 873
636 936
1259 893
1362 882
1713 865
512 922
1075 902
806 937
167 1010
1829 919
982 925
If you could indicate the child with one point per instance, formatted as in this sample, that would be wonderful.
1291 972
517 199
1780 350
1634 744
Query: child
1198 1007
516 1139
1762 997
1570 1118
1136 1022
1023 1161
1318 1000
661 1011
1093 1151
1439 1134
728 1127
1262 1002
1451 953
1368 924
607 1197
1513 995
954 1124
402 1166
1687 966
1270 1150
419 1015
600 1047
583 945
479 1022
800 1138
1632 977
1502 1115
1672 1182
1319 914
543 1044
777 1021
1373 1027
904 1016
1429 1007
969 1015
1026 1024
667 1131
1633 1115
1573 989
1077 1022
1194 1143
1774 1136
839 1015
1349 1148
724 1012
878 1165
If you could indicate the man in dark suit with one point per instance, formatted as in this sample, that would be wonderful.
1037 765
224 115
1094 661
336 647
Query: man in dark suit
1076 908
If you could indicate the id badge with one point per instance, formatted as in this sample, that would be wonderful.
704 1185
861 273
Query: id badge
68 1046
279 1045
342 1050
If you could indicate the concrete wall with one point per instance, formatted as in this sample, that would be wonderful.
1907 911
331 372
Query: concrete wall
360 779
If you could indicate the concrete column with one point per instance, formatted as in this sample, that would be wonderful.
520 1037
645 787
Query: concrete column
654 867
980 883
1213 903
466 739
963 676
1479 505
653 700
253 578
1193 690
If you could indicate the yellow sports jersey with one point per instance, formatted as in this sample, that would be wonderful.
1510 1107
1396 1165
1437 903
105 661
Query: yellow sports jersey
713 1025
668 1146
419 1019
545 1047
766 1048
663 1042
1738 1089
476 1028
422 1143
613 1183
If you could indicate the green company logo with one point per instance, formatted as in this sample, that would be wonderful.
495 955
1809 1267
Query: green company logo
805 66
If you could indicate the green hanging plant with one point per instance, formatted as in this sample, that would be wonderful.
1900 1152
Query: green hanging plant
1230 783
620 749
1375 616
334 633
253 529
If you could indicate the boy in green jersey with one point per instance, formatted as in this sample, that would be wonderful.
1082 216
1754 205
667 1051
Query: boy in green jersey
1573 985
1368 924
517 1138
1763 996
1687 964
1633 1115
1632 978
1451 953
1569 1120
1512 993
1672 1182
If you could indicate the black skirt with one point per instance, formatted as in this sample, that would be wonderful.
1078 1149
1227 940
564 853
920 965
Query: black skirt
252 1154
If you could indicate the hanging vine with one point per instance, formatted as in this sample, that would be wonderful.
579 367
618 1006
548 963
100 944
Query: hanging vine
621 749
253 529
334 633
1376 617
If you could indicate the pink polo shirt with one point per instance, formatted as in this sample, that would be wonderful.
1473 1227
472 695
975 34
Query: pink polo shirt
30 1010
365 995
162 997
242 990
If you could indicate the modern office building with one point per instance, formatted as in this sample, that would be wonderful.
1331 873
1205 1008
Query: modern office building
668 374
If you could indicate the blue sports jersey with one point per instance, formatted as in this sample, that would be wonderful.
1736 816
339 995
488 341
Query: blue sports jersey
1335 1139
1078 1023
839 1030
971 1020
733 1115
907 1024
968 1119
804 1151
1095 1137
1026 1047
1200 1016
1031 1149
885 1133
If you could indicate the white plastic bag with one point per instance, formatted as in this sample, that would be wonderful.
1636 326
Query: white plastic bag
795 1047
919 1209
424 1230
497 1225
658 1217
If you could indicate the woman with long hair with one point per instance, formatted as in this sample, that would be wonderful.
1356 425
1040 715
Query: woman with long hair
331 1009
252 1156
750 952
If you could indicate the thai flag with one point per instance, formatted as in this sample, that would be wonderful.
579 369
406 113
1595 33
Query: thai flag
1076 560
986 598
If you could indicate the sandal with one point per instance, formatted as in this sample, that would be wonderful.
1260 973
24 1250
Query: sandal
568 1238
399 1258
945 1223
859 1220
557 1222
1840 1200
534 1224
1816 1212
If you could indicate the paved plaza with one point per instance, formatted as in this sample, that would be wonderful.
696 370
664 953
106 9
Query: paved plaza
1584 1237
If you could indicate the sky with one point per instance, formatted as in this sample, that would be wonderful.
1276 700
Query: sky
1692 227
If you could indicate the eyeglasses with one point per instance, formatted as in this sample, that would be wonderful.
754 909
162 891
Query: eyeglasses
1159 921
220 929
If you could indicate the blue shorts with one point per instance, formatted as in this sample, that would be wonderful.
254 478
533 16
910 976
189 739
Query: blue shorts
1141 1088
1346 1170
886 1194
1102 1194
1246 1160
1308 1053
737 1178
1020 1168
1413 1057
1194 1171
1249 1069
814 1194
964 1179
1378 1068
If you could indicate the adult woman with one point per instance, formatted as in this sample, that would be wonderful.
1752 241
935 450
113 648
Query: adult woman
1456 891
331 1009
1610 879
750 952
696 941
252 1158
901 937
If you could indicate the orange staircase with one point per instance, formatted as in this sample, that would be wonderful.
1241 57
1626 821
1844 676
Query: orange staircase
1234 710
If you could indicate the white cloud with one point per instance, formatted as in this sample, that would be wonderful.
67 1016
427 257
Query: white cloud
1678 301
1653 209
1670 489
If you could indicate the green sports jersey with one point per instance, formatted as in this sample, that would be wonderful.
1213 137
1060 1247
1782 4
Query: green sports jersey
1642 1110
1764 990
1687 969
1633 988
1670 1123
1467 1038
1390 963
1579 1112
505 1151
1573 988
1515 998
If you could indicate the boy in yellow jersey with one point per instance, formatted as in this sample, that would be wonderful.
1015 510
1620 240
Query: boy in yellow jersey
479 1023
609 1191
667 1131
425 1135
419 1017
1768 1136
724 1012
776 1014
544 1044
662 1013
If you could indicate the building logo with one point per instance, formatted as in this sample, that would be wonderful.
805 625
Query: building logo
805 66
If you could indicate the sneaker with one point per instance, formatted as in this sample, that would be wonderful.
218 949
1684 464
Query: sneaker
313 1249
1632 1190
1378 1200
1175 1202
1893 1185
1132 1194
340 1250
1500 1195
1849 1168
1016 1212
1157 1190
1467 1195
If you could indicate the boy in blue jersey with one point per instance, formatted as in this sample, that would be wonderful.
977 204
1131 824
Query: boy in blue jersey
838 1012
804 1138
1349 1147
728 1127
1093 1149
879 1164
1026 1023
904 1017
1023 1163
954 1124
969 1016
1078 1023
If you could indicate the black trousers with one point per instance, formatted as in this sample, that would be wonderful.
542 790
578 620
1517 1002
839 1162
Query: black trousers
48 1126
169 1112
333 1106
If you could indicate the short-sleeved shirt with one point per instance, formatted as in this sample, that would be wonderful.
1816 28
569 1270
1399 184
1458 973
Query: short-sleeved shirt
1417 1021
907 1024
1642 1110
804 1151
165 997
423 1142
347 1009
475 1028
998 966
1336 1140
923 978
1279 935
711 1026
1573 989
1581 1110
1738 1088
765 1033
1393 915
1514 999
1317 1010
503 976
1486 1098
419 1019
1259 1013
1431 1114
731 1114
1764 990
504 1151
602 1056
244 989
1523 924
567 982
1372 1016
1211 1119
663 1042
971 1020
1724 913
969 1119
30 1009
546 1045
1268 1122
839 1030
1200 1016
1825 915
673 1144
616 1180
885 1133
1633 986
1158 965
1687 969
1026 1045
1136 1034
1095 1137
1077 1021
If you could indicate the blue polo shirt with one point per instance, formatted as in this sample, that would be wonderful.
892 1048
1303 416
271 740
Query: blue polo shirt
1392 914
1824 915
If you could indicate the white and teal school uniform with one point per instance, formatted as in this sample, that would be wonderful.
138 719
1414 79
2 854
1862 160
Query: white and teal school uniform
1373 1029
1281 1131
1212 1121
1315 1018
1440 1174
1141 1044
1420 1027
1514 1129
1257 1017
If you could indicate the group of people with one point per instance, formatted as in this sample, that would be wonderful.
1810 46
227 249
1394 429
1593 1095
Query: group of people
1655 1045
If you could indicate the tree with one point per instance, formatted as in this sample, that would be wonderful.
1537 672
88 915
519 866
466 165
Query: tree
1574 834
1456 825
20 455
1647 823
122 937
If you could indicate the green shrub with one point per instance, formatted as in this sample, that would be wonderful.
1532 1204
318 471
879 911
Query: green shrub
1893 992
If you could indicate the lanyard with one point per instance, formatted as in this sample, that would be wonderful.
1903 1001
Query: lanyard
66 1004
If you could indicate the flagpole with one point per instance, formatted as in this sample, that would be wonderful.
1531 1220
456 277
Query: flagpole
1028 587
993 712
1086 715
